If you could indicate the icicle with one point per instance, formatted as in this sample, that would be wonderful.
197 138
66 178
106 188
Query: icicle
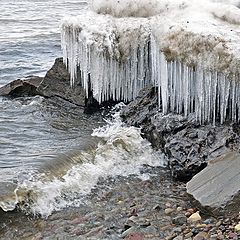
212 96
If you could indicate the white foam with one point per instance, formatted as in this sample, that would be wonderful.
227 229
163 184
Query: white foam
122 151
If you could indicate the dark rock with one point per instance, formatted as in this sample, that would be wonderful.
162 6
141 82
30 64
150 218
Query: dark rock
187 145
217 186
179 220
56 83
22 87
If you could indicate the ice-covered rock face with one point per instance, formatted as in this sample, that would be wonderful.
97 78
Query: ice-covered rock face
189 49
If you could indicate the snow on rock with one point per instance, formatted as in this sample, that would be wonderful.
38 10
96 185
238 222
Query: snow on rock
189 49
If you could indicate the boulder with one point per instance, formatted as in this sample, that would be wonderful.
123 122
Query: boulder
22 87
187 144
56 86
217 187
56 83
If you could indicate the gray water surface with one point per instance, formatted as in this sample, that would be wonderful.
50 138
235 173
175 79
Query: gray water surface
33 131
30 35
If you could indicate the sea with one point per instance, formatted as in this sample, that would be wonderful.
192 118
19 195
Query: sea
52 155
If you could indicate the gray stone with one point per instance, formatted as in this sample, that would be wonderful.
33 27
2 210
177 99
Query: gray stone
56 83
187 144
179 220
217 187
22 87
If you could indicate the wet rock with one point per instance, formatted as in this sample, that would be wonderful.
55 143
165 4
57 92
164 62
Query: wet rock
187 145
202 236
217 186
237 228
22 87
195 217
135 236
56 83
179 220
169 210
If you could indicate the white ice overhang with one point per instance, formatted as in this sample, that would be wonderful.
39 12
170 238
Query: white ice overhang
191 54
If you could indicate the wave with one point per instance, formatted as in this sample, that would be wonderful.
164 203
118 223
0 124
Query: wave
120 151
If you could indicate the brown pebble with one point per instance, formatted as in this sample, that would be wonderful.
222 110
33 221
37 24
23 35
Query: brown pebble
188 214
135 236
201 225
195 217
202 236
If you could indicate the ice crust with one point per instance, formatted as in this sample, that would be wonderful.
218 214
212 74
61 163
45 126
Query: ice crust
188 49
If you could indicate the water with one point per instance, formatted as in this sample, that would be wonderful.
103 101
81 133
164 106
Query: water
29 39
32 131
49 158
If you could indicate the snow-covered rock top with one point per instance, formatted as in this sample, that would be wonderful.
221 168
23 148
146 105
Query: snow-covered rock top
189 48
197 32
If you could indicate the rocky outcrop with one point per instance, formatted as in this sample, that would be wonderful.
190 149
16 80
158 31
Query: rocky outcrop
22 87
56 86
187 144
217 187
56 83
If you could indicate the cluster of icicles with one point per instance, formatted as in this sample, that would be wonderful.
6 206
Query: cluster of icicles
211 95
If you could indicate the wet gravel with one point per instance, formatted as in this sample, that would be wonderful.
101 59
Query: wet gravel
130 208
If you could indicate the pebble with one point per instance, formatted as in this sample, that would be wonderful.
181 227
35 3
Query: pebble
208 221
135 236
179 209
233 235
179 220
128 231
202 236
213 237
218 223
188 235
203 225
177 230
237 228
168 205
178 238
157 207
169 210
129 217
195 217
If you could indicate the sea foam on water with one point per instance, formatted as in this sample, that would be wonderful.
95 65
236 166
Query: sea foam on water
121 152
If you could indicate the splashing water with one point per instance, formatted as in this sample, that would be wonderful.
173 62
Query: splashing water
121 151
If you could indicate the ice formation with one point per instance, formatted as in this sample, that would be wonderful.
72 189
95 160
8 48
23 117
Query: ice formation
188 49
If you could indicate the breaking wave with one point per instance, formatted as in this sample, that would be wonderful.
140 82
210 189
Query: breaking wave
120 151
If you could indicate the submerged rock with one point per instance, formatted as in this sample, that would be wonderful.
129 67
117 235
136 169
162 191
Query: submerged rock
187 144
22 87
217 186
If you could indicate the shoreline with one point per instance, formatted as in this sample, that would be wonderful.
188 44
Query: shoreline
140 113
